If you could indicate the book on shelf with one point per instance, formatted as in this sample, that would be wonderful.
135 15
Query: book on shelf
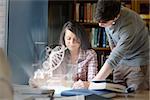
99 38
107 85
145 16
103 57
84 12
77 12
81 12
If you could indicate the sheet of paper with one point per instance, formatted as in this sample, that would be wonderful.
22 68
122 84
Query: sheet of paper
58 89
26 89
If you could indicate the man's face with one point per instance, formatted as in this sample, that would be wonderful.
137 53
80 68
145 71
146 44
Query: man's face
106 23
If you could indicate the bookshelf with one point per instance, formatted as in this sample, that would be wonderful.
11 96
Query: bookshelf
84 14
141 7
89 25
59 11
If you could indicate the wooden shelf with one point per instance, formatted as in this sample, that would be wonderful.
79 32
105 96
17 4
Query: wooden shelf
102 49
144 1
145 16
58 2
85 1
84 15
86 24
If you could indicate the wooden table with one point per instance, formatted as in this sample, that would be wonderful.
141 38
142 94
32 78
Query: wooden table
140 95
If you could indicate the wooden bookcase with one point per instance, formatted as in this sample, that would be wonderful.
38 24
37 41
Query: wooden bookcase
83 12
141 7
59 11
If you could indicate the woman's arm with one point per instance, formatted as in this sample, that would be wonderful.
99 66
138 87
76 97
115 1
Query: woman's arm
92 69
92 66
102 75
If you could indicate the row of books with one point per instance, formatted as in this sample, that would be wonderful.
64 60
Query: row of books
85 12
102 58
99 38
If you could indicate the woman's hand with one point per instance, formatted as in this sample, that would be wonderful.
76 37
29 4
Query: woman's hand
32 83
35 83
81 84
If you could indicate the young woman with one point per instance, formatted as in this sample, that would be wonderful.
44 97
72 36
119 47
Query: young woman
78 53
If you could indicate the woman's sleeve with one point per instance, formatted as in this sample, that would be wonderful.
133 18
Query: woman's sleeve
92 65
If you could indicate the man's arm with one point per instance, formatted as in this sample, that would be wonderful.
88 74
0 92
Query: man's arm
104 72
102 75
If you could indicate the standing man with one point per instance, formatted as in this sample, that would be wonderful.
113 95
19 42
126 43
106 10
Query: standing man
128 40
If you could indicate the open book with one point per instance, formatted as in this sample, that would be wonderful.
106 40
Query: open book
107 85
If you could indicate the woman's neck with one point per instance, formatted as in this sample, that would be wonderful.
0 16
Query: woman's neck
74 56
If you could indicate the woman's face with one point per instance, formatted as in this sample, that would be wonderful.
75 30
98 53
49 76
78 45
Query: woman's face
71 41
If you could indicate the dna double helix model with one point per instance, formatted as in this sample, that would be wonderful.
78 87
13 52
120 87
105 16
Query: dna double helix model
54 58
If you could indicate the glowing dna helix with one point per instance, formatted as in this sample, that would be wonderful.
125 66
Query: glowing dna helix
55 57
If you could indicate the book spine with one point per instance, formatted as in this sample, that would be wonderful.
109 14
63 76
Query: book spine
77 12
85 12
104 38
93 13
81 12
88 12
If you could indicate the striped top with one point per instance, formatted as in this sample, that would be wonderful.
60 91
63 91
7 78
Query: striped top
86 66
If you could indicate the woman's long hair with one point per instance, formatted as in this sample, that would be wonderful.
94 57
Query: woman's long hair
79 31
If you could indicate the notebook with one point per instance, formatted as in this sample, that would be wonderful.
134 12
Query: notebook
107 85
86 92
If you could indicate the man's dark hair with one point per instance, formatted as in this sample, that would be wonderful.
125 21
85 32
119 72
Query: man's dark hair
107 10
